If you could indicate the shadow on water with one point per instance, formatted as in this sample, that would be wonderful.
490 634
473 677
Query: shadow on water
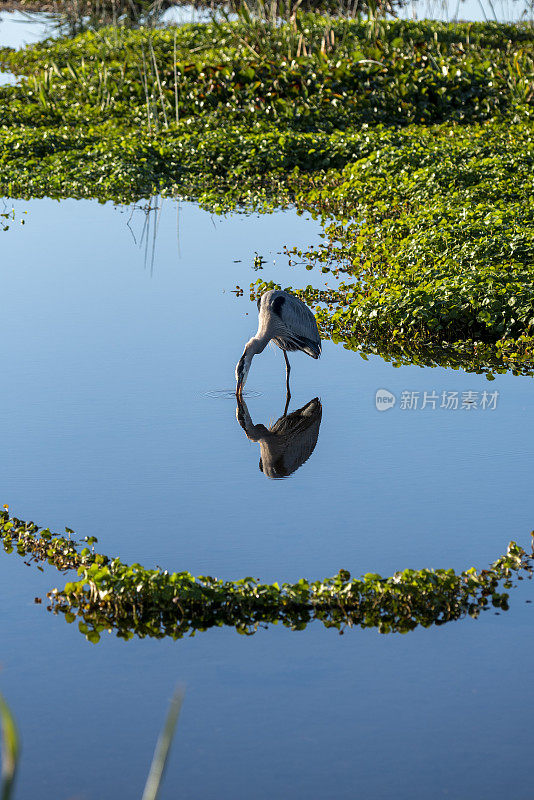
286 444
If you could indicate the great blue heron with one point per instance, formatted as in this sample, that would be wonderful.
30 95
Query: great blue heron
289 323
289 442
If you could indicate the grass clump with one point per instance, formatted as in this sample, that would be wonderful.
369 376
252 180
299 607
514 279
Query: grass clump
312 74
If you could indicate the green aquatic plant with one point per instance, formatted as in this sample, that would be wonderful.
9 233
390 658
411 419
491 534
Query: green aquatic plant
432 232
405 73
413 142
130 600
515 356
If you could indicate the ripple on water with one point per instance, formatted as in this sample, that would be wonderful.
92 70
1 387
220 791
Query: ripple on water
229 394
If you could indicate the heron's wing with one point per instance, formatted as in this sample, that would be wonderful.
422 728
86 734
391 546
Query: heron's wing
300 327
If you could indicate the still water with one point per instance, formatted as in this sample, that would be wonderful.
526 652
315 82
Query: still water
120 335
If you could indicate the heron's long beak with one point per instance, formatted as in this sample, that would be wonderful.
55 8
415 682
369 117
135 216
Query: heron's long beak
241 372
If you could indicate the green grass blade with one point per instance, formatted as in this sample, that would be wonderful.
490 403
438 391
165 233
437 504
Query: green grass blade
163 747
10 749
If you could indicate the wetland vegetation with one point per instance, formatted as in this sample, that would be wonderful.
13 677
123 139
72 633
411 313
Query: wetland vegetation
413 141
108 595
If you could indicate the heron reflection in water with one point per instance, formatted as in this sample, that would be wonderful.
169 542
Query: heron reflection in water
289 442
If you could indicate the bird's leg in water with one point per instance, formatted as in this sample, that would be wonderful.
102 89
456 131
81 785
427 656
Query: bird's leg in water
288 370
288 398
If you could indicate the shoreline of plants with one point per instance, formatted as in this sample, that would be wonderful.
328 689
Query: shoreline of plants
129 600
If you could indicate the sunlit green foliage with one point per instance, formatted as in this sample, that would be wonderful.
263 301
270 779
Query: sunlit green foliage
131 600
331 307
435 230
317 74
414 141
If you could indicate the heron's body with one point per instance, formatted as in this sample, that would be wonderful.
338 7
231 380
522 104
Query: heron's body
289 323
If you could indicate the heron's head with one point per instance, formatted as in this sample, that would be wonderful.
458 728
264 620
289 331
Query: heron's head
241 371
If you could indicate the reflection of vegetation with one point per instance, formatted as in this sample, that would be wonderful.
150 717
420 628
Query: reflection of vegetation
73 16
7 218
515 356
131 600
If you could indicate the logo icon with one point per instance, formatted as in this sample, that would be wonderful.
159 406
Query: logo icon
384 400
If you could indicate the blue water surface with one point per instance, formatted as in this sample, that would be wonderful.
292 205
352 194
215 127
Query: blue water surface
120 332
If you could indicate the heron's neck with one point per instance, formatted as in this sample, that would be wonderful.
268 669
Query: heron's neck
256 345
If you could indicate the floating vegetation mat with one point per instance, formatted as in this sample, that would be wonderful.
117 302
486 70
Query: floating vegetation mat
413 142
130 600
